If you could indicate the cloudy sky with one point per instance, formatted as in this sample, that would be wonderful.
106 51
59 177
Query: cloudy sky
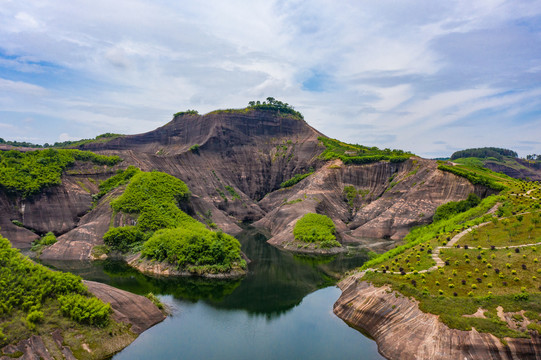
427 76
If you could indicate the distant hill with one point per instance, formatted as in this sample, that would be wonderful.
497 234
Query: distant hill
500 160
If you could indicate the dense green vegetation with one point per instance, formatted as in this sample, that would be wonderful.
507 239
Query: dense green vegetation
165 233
295 179
195 249
358 154
28 173
28 291
122 177
46 240
475 178
490 259
486 152
451 208
125 238
85 310
187 112
316 228
274 105
154 197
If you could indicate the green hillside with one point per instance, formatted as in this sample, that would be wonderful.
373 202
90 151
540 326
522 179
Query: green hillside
476 255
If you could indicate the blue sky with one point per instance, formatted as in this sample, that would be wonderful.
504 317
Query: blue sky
426 76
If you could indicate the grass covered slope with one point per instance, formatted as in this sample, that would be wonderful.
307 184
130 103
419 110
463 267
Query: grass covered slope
476 256
36 301
501 160
28 173
163 232
359 154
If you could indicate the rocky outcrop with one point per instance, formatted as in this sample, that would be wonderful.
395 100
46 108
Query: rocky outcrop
404 332
392 198
234 174
136 310
521 169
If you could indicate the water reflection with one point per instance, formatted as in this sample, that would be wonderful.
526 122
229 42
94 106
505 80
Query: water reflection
277 281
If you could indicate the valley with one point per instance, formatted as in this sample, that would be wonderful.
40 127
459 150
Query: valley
170 203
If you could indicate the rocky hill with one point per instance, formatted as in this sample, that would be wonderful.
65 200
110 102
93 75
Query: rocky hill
234 162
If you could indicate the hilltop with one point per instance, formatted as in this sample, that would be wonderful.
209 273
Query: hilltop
501 160
259 165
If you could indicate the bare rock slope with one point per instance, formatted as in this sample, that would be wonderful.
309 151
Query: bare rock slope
234 162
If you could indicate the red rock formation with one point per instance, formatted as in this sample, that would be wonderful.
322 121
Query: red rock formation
235 176
404 332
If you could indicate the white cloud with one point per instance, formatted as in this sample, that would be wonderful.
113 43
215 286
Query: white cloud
383 71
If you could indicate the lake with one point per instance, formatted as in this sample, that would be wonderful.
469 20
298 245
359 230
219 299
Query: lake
281 310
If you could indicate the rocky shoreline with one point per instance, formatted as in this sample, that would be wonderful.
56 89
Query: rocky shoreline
402 331
157 268
136 311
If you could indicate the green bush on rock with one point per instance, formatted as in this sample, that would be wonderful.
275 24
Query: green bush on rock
316 228
193 248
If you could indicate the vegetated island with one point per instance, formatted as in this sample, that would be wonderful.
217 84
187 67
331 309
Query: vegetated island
471 278
166 240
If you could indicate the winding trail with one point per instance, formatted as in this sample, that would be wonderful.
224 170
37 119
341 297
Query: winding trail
451 245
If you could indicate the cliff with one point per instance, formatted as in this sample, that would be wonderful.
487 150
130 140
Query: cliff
234 161
404 332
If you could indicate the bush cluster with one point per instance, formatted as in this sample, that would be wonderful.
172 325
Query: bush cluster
192 247
124 238
295 179
485 152
275 105
85 310
358 154
154 196
476 179
316 228
28 287
28 173
451 208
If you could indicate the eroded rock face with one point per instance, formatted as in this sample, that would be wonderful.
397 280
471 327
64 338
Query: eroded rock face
392 199
523 170
235 175
404 332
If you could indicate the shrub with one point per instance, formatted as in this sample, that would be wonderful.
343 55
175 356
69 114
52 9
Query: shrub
295 179
35 316
194 248
122 238
85 310
314 228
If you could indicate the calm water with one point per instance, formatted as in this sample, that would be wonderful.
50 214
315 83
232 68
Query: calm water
281 310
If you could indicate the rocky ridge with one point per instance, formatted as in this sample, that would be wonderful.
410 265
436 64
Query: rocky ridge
234 162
